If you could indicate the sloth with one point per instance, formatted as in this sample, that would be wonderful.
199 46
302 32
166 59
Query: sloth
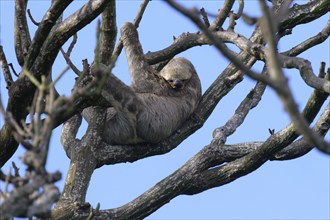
155 105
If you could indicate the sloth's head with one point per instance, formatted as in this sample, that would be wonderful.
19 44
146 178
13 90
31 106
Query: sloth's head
178 72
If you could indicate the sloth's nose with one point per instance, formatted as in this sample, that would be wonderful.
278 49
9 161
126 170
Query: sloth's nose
177 84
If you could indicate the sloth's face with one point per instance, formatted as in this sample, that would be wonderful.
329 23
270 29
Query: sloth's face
176 81
177 72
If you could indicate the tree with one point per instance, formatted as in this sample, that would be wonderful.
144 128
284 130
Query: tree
34 99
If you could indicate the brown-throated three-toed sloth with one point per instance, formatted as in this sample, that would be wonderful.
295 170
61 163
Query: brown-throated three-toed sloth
155 105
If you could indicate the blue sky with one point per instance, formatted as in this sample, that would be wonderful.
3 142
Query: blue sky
296 189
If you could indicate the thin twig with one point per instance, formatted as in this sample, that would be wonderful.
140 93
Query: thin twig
13 69
303 46
7 180
59 76
70 64
249 19
72 44
322 70
235 16
205 18
47 126
16 169
32 19
67 54
240 9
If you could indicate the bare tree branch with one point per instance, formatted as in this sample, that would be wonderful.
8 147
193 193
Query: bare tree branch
306 72
301 147
21 32
48 21
301 14
67 56
109 33
205 18
32 19
317 39
222 15
235 16
220 134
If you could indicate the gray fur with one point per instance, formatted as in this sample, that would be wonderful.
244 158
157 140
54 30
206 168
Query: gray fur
152 108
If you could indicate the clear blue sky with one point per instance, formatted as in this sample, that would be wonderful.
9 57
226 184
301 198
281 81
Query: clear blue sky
296 189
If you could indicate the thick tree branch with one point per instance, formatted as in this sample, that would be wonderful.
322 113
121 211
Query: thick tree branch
301 147
222 15
109 33
306 72
302 14
21 31
44 28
